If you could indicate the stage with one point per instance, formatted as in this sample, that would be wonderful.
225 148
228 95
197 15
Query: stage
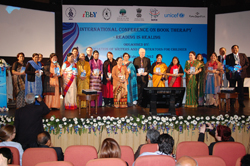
68 127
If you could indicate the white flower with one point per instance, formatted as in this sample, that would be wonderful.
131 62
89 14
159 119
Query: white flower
143 122
79 126
163 119
218 118
104 118
131 118
160 123
60 126
202 118
232 122
48 124
122 119
114 123
87 121
154 117
94 120
238 124
143 116
47 120
76 122
127 120
98 118
155 122
171 124
174 118
44 125
193 116
166 118
135 124
137 119
64 119
187 123
86 126
167 123
95 125
119 121
131 123
65 123
176 122
194 122
149 122
170 119
242 121
70 125
149 118
181 123
226 115
158 118
107 126
91 117
75 119
43 120
226 120
189 117
57 120
82 119
108 122
235 116
112 118
198 118
243 116
207 118
217 122
213 117
180 117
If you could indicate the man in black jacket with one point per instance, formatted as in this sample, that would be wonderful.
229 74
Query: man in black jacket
44 141
236 58
144 63
28 121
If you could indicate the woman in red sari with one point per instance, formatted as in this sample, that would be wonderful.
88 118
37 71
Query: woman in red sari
175 73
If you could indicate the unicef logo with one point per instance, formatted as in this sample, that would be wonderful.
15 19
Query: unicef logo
181 15
70 13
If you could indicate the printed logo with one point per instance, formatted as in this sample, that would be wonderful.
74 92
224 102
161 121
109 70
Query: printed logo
139 15
87 14
106 13
122 16
197 15
70 13
154 14
171 15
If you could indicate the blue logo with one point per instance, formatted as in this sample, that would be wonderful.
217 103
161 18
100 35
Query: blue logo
171 15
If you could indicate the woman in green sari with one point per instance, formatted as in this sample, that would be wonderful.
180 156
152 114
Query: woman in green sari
201 81
192 68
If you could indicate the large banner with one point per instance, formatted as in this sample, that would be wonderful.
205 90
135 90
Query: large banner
170 31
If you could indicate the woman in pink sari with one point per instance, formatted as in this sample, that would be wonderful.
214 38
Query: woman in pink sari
175 73
69 71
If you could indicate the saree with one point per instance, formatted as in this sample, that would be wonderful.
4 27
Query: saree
120 88
159 81
19 85
213 82
201 85
34 87
69 85
191 84
82 84
51 86
95 81
132 86
174 81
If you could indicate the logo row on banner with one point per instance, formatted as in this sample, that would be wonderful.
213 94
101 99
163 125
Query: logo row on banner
134 14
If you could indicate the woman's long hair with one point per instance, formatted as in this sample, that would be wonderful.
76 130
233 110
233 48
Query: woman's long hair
110 149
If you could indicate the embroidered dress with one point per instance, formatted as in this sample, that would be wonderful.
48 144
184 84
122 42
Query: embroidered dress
95 80
132 84
35 87
69 85
191 83
52 86
120 88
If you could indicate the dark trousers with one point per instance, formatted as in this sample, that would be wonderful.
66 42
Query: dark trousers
141 94
240 88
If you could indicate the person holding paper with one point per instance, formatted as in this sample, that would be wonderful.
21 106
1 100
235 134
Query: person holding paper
142 65
192 68
236 65
132 96
120 80
96 67
83 68
107 90
18 71
200 77
33 83
175 73
158 69
69 82
52 86
214 72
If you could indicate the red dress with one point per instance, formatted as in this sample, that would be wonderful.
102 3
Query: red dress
108 88
177 82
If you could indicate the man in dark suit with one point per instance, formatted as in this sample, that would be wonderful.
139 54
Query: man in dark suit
89 55
142 78
28 121
222 59
44 141
236 58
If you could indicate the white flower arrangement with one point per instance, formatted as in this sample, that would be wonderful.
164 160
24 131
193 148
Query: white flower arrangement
112 124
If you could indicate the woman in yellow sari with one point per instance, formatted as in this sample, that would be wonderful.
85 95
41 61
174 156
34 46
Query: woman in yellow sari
158 70
84 71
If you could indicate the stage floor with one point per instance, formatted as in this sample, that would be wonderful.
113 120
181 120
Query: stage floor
135 111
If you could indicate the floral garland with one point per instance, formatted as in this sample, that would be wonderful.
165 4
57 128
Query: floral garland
134 124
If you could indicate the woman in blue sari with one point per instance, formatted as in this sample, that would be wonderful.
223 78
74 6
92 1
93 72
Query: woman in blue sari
33 83
132 96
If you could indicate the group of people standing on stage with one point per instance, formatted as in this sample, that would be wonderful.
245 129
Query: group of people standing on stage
120 82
